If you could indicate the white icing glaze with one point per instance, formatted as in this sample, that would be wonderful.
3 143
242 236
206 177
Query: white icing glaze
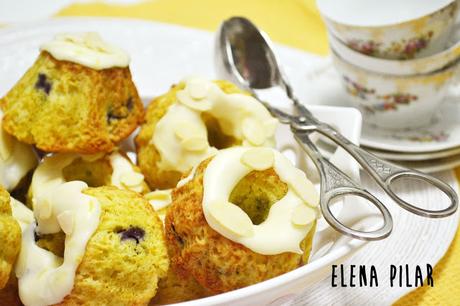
281 231
87 49
45 278
16 159
181 137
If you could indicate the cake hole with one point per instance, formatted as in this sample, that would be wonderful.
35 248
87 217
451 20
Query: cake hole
94 173
257 192
216 137
54 243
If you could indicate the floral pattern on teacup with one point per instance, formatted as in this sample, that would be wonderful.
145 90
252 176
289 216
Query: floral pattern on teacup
386 102
356 89
404 49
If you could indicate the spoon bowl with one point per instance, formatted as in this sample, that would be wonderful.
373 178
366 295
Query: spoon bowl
245 55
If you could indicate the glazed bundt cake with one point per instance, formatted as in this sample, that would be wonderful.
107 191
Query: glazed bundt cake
77 97
193 121
242 217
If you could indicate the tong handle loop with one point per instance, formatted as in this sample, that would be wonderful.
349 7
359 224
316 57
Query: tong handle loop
334 184
385 173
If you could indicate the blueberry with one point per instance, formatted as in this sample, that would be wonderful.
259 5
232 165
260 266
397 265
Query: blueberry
134 233
43 83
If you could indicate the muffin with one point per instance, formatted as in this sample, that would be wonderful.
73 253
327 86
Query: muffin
10 237
191 122
243 216
77 97
114 253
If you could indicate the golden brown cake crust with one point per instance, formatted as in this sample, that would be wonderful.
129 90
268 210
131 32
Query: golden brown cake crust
62 106
175 289
217 263
10 238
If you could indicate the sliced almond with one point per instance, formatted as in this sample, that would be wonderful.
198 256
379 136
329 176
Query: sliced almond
195 144
232 218
303 215
304 188
253 131
197 88
66 220
6 145
131 179
199 105
258 158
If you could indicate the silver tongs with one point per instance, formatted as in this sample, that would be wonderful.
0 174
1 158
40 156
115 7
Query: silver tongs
244 55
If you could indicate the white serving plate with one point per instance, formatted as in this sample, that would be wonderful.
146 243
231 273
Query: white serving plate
161 55
155 67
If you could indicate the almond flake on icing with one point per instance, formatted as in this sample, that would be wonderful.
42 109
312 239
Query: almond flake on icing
303 215
200 105
197 89
304 188
6 145
195 144
253 131
258 158
66 220
131 179
232 218
45 210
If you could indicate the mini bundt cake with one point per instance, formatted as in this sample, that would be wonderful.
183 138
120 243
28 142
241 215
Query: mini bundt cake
239 218
191 122
114 249
10 238
16 160
77 97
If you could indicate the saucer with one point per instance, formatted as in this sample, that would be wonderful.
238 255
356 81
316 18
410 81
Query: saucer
432 165
409 156
442 134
